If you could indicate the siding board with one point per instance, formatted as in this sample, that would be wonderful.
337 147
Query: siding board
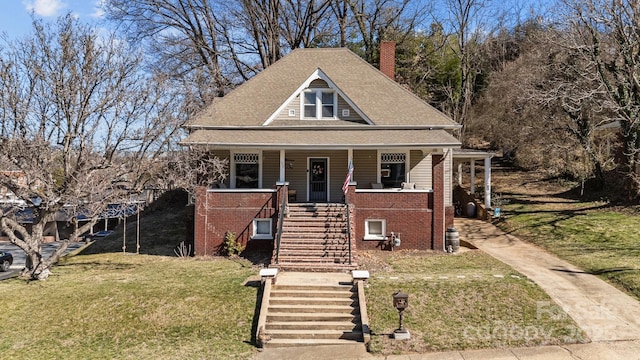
365 169
270 168
421 170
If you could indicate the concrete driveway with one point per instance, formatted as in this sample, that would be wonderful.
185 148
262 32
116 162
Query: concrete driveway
603 312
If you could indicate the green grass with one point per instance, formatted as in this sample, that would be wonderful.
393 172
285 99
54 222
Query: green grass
599 240
456 302
130 307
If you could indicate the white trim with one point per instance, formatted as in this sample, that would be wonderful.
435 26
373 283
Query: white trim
327 172
368 236
317 74
232 161
254 230
282 165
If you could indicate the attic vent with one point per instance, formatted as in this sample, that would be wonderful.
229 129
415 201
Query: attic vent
245 158
393 158
345 112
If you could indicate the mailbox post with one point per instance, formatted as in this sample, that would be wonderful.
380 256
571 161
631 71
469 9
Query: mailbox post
401 302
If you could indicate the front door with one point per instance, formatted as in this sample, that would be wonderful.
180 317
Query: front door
318 179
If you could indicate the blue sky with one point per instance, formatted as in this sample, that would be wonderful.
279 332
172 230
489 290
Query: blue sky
15 15
15 18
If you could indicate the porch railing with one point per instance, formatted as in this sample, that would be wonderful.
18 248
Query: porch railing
283 206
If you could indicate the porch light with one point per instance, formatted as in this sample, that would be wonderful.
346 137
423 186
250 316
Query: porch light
401 302
289 163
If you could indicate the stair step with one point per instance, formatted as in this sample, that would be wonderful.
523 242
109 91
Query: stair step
305 308
305 258
307 342
311 267
317 302
324 229
309 316
318 325
314 290
313 334
314 253
320 244
315 235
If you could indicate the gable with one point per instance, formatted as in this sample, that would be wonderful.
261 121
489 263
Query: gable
294 111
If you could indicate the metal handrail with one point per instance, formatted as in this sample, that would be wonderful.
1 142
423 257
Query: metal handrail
349 229
280 221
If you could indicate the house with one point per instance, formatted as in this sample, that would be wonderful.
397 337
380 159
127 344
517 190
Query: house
290 135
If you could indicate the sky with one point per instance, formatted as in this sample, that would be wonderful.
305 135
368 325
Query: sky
15 15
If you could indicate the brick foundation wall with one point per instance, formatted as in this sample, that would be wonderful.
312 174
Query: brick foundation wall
219 212
407 213
439 213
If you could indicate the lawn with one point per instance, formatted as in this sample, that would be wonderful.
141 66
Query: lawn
463 301
131 307
596 236
104 304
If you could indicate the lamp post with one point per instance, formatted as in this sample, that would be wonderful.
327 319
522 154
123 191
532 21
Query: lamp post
401 302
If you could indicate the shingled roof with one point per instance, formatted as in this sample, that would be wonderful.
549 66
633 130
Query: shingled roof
380 99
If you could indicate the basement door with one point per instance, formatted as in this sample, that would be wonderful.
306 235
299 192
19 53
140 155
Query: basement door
318 175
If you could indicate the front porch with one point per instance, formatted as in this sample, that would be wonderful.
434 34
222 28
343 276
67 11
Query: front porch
401 195
317 175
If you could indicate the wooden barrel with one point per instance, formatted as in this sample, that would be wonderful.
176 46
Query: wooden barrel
452 240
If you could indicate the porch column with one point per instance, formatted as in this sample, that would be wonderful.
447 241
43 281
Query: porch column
350 161
473 176
460 174
487 182
282 164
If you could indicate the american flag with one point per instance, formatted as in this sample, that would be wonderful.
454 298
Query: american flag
345 186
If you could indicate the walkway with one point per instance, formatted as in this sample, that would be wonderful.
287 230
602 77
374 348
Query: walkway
621 350
603 312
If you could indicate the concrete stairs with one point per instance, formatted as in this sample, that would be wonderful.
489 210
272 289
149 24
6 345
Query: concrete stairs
312 314
314 238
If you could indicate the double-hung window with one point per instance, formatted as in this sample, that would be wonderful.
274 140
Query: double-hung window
392 169
247 170
319 104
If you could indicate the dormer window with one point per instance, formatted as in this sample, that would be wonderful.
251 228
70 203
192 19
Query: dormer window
319 104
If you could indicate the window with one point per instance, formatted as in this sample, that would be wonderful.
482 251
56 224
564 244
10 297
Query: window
375 229
392 169
262 229
319 104
247 170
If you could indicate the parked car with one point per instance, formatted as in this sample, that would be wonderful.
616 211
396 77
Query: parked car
6 259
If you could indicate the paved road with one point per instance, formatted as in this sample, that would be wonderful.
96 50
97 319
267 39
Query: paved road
19 257
602 311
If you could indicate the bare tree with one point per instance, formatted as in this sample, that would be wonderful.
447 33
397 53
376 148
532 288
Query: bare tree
468 20
81 128
190 168
604 36
189 41
378 20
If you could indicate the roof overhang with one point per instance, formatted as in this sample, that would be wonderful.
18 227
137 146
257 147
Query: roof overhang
471 154
321 138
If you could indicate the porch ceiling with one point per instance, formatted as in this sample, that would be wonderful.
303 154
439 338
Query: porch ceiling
316 138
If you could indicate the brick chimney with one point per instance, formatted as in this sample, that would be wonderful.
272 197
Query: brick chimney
388 58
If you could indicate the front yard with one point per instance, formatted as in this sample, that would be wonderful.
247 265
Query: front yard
463 301
115 306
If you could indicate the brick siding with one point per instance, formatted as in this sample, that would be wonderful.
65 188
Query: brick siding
219 212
